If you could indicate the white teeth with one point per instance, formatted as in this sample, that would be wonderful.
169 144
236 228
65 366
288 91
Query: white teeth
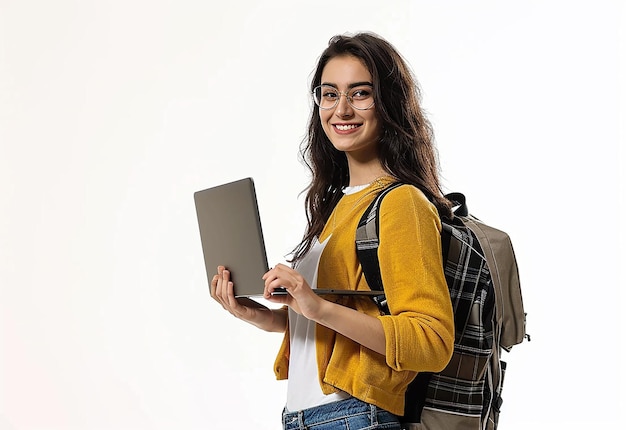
346 127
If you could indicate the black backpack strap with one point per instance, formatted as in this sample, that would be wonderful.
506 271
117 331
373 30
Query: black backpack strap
367 242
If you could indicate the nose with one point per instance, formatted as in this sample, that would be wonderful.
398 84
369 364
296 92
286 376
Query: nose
343 109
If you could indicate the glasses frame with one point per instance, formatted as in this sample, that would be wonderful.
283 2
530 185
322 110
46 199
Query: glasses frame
341 93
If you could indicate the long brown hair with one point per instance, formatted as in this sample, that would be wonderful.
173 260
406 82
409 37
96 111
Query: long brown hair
406 150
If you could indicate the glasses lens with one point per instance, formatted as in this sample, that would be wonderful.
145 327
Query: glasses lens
325 97
361 97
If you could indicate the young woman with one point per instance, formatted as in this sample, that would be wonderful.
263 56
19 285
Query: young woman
348 366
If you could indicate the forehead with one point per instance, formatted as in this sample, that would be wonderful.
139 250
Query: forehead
345 69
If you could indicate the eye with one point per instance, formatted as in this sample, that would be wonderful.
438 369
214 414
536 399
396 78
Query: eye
361 93
329 93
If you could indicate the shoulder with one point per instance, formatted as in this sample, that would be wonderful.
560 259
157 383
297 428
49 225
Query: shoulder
408 198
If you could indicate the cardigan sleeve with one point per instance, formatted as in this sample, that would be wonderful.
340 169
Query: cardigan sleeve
419 332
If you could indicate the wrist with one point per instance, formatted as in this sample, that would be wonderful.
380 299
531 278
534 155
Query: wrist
324 312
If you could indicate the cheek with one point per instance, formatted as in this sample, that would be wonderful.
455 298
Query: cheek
375 124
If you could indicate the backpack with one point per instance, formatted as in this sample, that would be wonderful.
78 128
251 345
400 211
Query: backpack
482 277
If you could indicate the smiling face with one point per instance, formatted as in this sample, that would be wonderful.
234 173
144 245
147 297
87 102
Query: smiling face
353 131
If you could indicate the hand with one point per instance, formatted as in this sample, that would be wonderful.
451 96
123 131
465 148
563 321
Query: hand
358 326
222 290
300 297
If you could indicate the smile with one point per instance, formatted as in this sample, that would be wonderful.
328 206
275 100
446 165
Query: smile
346 127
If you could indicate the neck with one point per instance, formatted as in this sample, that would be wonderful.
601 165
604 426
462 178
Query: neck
362 173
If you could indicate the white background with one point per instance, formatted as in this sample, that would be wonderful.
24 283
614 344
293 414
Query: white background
112 113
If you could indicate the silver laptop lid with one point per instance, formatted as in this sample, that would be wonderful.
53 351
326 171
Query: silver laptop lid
231 234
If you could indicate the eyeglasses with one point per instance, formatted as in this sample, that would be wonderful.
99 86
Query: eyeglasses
327 97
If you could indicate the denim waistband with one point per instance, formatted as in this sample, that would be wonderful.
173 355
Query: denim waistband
351 409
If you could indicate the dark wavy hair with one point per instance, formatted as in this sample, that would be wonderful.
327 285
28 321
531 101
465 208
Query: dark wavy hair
406 149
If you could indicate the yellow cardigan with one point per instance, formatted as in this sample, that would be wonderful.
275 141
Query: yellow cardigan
420 330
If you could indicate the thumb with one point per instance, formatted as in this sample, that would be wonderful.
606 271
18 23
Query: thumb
283 299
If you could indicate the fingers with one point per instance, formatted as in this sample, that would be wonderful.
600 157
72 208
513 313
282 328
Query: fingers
300 297
274 279
282 276
213 286
222 289
214 283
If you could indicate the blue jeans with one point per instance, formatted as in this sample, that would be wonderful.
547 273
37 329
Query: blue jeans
349 414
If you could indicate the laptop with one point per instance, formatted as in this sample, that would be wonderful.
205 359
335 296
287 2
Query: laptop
232 236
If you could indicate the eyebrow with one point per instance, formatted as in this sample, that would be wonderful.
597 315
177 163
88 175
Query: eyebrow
355 84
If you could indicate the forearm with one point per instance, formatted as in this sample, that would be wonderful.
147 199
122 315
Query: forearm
271 320
361 328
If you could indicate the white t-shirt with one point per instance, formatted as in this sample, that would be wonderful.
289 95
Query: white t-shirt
303 388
